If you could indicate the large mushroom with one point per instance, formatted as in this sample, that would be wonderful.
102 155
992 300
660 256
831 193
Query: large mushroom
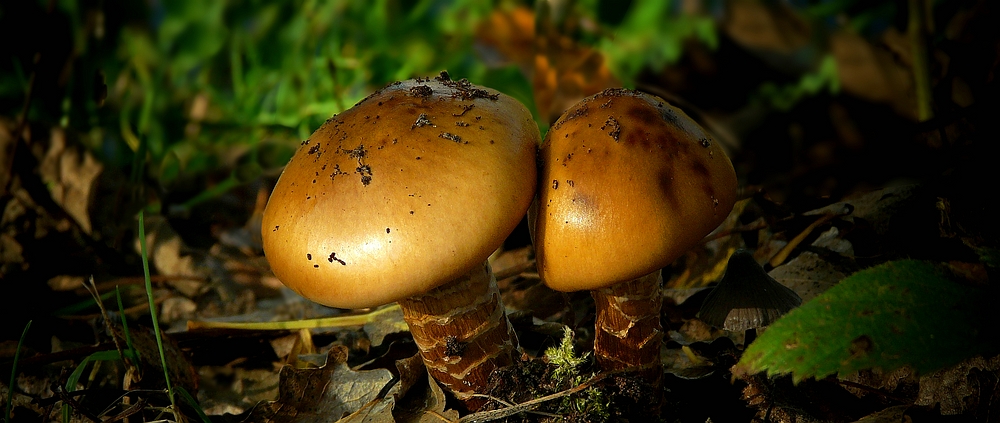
628 183
402 198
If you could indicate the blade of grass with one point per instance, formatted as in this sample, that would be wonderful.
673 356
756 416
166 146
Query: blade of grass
74 377
323 322
187 397
13 373
134 356
152 313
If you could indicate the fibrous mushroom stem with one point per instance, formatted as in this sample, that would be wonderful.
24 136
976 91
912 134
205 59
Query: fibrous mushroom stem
462 331
628 331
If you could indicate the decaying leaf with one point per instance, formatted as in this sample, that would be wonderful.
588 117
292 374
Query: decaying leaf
326 394
170 256
968 389
387 323
414 398
71 174
808 274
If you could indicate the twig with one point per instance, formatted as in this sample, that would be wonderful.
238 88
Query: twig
527 406
128 412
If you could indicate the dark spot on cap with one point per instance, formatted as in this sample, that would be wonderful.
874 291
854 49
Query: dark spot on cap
309 256
333 258
314 149
386 230
644 115
555 184
666 183
705 142
698 167
275 228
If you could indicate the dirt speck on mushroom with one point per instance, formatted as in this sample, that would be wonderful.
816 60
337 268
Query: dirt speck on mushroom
421 122
333 258
421 91
452 137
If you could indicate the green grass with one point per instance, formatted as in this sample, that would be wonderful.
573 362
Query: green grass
13 373
156 324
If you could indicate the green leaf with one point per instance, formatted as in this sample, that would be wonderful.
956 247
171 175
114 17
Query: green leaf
903 313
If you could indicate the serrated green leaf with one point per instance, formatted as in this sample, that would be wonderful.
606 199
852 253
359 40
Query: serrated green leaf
903 313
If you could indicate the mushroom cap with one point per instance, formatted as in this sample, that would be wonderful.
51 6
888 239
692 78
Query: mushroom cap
412 187
628 183
747 297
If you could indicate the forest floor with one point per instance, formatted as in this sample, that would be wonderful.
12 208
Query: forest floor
839 183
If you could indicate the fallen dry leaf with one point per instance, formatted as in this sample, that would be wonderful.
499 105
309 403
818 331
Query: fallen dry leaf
969 389
325 394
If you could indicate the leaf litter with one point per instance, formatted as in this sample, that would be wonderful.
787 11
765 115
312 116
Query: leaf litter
227 279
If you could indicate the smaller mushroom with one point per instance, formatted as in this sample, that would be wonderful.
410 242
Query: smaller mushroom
747 297
628 184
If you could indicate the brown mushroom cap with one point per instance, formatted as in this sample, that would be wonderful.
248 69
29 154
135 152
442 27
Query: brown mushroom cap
627 184
747 297
409 189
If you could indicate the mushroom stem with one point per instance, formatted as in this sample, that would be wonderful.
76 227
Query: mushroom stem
462 331
628 331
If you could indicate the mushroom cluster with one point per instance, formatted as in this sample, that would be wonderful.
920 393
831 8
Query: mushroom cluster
402 198
628 183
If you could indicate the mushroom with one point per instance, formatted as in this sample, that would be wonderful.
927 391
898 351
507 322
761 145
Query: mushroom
402 198
628 184
747 298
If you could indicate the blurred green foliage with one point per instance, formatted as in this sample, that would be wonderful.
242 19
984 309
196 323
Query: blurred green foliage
651 34
173 88
203 85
